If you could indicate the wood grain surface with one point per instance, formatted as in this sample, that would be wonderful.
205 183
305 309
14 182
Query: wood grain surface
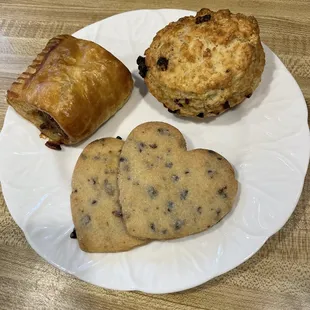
277 277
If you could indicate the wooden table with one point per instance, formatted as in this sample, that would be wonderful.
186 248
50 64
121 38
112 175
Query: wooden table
277 277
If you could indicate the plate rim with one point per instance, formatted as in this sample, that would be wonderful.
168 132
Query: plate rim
182 287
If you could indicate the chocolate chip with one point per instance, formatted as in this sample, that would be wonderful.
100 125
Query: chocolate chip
142 66
108 187
152 225
75 191
93 181
94 202
117 213
199 210
122 159
141 146
211 173
219 158
140 60
119 138
85 220
170 206
164 131
201 115
211 152
73 234
218 211
162 63
177 101
53 145
226 105
175 178
202 19
173 111
169 164
152 192
153 146
178 224
183 194
227 70
222 192
249 95
186 172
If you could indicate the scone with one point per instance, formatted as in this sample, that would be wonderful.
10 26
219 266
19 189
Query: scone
167 192
71 88
94 199
203 65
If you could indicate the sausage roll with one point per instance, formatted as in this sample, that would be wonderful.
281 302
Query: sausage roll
71 88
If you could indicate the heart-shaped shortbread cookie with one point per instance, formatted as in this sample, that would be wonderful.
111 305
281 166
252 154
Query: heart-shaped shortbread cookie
168 192
94 199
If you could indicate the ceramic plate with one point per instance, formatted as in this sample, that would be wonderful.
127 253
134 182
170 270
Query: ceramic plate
266 139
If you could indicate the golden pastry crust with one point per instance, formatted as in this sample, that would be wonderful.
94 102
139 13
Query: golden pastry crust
71 88
202 65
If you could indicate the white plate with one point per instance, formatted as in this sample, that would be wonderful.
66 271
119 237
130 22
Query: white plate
266 139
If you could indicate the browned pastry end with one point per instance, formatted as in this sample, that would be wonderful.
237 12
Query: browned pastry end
71 88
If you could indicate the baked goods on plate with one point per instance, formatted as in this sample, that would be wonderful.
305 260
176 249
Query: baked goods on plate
94 199
203 65
167 192
71 88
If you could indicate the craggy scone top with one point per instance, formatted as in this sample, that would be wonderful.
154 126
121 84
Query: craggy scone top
222 42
